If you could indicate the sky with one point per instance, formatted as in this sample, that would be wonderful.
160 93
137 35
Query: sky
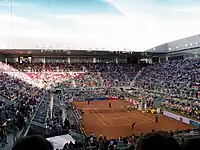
134 25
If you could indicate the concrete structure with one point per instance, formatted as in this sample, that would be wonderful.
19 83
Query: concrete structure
181 44
185 48
69 56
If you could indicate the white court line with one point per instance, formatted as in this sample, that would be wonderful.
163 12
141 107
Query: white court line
118 115
145 118
104 117
101 120
128 124
112 125
118 125
113 118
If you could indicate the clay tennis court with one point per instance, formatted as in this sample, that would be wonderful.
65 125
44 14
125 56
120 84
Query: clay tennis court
114 124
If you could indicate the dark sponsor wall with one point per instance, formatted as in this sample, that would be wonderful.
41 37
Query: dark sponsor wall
11 60
2 58
176 57
132 60
155 60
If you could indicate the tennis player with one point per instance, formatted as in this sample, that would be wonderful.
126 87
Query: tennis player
110 105
133 125
156 119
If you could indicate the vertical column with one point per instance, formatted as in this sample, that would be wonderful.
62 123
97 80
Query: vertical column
116 60
44 61
145 105
51 105
196 54
150 61
140 106
94 60
6 60
69 60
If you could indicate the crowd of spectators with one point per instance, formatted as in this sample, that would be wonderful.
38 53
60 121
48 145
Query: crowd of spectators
178 81
18 101
178 77
128 143
84 93
155 140
185 107
102 143
75 67
81 74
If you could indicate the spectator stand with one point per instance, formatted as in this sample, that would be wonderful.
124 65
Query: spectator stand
79 134
187 107
25 130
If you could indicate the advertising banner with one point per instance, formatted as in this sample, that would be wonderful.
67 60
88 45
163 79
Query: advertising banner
194 123
176 117
78 114
113 98
97 98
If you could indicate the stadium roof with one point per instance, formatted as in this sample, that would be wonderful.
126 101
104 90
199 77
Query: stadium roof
64 53
104 24
191 42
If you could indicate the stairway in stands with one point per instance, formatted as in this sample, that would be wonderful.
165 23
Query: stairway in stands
136 76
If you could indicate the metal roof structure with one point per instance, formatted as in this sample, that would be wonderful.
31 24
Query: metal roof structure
64 53
187 43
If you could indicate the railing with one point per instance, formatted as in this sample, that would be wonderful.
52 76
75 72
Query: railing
25 130
78 136
83 133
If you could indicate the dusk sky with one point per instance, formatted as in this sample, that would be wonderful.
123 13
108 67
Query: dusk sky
132 24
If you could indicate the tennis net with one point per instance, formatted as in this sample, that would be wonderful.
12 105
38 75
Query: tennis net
104 110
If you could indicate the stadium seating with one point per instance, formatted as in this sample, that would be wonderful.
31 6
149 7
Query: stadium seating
21 91
178 80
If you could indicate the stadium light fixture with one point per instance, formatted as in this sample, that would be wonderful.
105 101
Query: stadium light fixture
196 43
154 48
186 45
176 46
190 44
170 48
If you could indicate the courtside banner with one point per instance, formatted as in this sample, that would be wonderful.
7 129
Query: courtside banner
176 117
78 114
195 123
135 102
113 98
97 98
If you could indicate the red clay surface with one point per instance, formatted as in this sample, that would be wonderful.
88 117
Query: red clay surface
116 124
